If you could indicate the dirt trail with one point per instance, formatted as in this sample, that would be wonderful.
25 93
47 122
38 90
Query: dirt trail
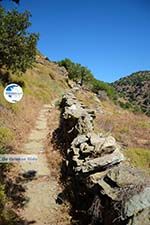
43 190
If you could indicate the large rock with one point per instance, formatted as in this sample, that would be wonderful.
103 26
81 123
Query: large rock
101 163
137 203
124 175
142 218
103 145
79 140
96 139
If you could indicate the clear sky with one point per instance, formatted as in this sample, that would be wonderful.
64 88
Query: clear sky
110 37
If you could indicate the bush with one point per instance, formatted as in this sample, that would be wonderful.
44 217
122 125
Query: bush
2 197
5 136
139 157
17 80
125 105
7 216
98 85
4 77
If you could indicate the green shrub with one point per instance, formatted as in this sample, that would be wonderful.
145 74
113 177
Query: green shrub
4 77
18 79
139 157
125 105
6 136
2 197
7 216
76 71
57 104
98 85
4 166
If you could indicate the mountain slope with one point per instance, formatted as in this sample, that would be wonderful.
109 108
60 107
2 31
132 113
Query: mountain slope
136 89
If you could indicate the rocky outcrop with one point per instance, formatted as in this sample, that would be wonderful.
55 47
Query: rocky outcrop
104 186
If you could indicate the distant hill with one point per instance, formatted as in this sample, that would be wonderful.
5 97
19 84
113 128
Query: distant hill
136 89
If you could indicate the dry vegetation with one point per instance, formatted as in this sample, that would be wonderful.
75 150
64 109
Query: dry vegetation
53 153
39 88
132 130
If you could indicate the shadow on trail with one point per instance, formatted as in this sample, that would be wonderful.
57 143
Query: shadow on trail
74 190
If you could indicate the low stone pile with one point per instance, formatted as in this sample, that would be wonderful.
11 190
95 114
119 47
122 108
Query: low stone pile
106 189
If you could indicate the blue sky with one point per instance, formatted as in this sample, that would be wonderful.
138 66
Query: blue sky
110 37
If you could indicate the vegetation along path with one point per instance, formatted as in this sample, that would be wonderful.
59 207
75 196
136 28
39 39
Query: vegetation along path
42 188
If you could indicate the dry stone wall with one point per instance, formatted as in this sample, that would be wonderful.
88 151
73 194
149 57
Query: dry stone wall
106 189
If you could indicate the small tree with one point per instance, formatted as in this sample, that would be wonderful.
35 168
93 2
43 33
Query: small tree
17 45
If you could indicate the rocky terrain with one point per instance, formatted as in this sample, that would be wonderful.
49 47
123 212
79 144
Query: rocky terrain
102 187
136 89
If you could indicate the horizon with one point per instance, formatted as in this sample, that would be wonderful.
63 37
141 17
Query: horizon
108 37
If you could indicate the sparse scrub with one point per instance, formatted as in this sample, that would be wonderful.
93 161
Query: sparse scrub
130 129
125 105
7 216
139 157
57 103
98 85
2 197
6 136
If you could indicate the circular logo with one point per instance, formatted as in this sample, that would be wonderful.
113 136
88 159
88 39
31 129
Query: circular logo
13 93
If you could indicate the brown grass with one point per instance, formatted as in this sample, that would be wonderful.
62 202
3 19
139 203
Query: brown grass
132 130
129 128
53 153
39 88
139 157
21 121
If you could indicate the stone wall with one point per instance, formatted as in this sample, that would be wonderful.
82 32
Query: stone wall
105 189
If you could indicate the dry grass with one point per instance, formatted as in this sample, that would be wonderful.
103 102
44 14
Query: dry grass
139 157
88 98
63 216
21 121
39 88
53 153
132 130
129 128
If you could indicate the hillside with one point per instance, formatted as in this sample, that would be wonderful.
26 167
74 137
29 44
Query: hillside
31 127
136 89
41 84
74 150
